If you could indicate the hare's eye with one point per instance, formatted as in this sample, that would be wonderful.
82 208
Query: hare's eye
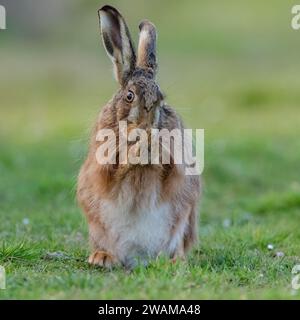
130 96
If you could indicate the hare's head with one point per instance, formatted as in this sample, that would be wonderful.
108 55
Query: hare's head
139 96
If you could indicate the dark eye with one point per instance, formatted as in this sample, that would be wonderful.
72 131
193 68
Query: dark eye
130 96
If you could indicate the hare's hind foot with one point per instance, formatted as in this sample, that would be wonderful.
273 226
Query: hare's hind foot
102 259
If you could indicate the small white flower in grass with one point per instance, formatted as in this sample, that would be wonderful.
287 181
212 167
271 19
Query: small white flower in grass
26 221
270 246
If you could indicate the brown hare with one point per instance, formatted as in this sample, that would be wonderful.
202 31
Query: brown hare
136 212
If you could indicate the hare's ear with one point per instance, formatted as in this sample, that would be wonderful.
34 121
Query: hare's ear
146 57
117 42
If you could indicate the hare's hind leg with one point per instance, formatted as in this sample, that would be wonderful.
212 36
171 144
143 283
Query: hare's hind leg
191 233
189 238
182 234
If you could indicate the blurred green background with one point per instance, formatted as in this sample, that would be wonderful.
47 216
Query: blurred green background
230 67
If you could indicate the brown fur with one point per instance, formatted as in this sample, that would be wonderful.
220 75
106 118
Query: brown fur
98 184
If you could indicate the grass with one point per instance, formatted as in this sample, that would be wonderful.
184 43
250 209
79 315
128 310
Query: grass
243 90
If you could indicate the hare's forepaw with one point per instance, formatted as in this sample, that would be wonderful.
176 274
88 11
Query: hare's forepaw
102 259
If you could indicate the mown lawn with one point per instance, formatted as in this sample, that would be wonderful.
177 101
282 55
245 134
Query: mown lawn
240 84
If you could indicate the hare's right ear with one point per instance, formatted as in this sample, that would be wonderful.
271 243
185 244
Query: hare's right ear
117 42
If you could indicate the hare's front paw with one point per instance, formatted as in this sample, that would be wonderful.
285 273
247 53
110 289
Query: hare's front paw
102 259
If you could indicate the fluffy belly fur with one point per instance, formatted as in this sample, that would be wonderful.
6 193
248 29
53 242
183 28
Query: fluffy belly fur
137 235
139 224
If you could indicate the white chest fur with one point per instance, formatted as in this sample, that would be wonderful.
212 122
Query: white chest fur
137 233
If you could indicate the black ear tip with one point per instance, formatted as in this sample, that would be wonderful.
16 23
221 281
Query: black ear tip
108 9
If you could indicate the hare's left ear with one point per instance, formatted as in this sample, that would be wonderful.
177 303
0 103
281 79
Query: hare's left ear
146 57
117 42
